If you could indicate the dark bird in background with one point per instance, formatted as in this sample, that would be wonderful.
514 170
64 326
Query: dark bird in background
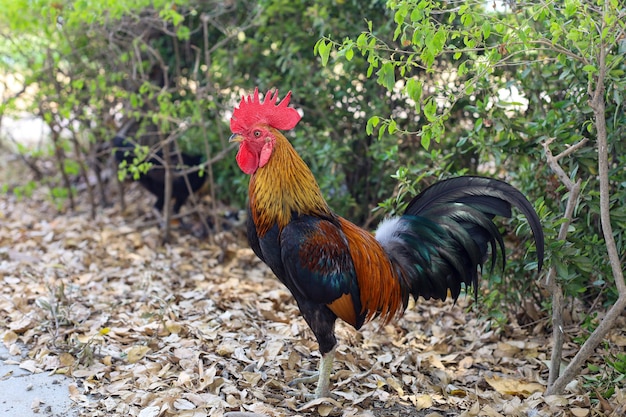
333 268
154 179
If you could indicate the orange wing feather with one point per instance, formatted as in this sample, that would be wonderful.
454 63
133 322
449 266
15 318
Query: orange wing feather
379 285
343 307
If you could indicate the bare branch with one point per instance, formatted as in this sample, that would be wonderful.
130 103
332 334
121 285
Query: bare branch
551 282
571 149
553 161
596 91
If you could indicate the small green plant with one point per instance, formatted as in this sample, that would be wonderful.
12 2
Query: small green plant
138 167
587 327
603 379
22 191
59 196
55 308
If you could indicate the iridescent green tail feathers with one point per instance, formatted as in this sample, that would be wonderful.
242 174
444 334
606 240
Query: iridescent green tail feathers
447 233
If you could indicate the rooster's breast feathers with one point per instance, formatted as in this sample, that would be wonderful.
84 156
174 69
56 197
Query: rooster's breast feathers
332 262
318 266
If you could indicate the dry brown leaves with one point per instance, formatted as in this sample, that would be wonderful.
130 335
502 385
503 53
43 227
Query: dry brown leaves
147 331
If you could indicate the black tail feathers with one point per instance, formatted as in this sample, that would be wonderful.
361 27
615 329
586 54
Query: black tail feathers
446 231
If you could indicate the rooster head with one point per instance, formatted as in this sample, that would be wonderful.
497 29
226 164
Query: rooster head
253 124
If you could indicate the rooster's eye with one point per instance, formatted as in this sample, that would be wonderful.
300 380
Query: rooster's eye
256 133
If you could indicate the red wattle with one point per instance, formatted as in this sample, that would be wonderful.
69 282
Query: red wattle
248 162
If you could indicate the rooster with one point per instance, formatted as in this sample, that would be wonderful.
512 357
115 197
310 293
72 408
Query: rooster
333 268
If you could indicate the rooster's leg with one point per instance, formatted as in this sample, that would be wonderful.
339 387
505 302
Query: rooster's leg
322 376
323 382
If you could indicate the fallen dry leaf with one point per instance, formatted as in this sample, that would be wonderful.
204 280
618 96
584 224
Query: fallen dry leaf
510 386
579 412
421 402
150 412
9 338
136 353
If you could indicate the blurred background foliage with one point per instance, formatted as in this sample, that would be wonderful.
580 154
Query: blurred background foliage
395 95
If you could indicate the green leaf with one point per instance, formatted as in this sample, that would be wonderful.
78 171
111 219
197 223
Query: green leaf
486 28
425 139
183 33
467 19
401 14
591 69
417 15
462 70
427 57
430 109
571 7
573 35
414 89
381 131
361 41
387 76
439 40
349 53
323 50
371 124
392 127
397 32
561 269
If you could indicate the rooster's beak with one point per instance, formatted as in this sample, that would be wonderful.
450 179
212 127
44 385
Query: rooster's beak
236 137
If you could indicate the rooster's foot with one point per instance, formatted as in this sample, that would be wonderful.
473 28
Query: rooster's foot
312 376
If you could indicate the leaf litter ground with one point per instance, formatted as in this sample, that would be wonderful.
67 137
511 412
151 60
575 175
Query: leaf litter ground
196 329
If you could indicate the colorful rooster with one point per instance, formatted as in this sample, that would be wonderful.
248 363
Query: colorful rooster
333 268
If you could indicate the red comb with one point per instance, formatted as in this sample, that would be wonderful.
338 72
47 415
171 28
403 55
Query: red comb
252 111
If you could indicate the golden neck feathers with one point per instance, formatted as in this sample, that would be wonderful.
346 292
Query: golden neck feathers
282 188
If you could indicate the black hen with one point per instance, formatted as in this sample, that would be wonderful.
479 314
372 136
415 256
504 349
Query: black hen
154 179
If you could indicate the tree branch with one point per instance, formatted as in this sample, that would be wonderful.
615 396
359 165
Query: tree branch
598 106
551 283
